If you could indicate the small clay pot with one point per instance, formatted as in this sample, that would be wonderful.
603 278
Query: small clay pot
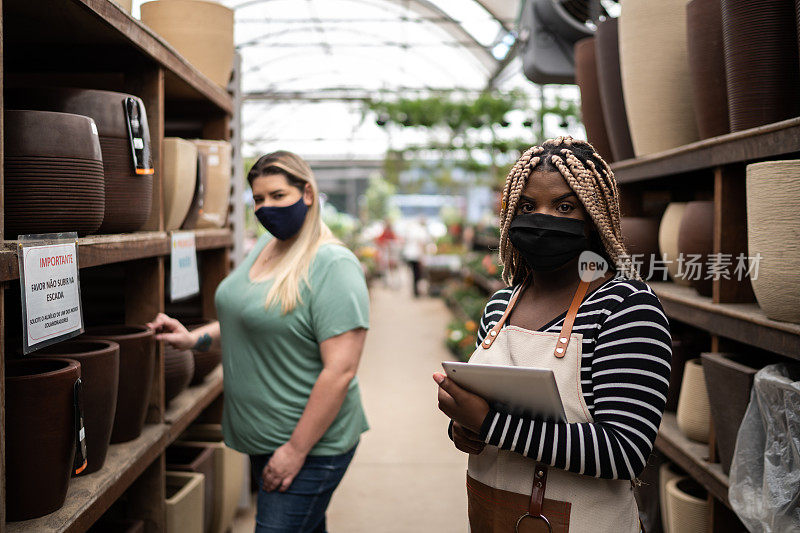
100 378
609 79
591 108
694 411
640 236
696 238
40 448
137 361
178 371
199 458
204 362
668 233
687 507
666 473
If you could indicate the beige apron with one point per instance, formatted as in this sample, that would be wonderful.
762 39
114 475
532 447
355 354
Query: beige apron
499 481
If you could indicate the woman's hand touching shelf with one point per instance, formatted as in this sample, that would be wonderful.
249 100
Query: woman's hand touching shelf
173 332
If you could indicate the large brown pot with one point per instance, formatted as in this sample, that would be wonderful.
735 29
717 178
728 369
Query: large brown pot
53 174
100 376
609 79
696 238
137 361
668 233
128 195
761 62
591 107
40 448
773 234
199 458
204 362
640 236
178 371
707 66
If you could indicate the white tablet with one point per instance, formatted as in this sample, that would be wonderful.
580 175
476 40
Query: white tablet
522 391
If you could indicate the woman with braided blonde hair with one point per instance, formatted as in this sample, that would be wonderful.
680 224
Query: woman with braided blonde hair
575 306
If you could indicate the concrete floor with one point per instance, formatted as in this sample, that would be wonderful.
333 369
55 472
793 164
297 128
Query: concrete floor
406 476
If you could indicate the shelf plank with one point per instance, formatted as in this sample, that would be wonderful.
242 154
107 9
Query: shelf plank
771 140
90 496
741 322
693 457
210 239
183 409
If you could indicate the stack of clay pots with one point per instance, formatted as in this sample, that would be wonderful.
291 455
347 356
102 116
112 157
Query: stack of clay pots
197 458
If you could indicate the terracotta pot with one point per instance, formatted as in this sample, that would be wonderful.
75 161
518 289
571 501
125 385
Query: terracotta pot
666 473
696 238
591 107
196 208
53 174
761 62
128 196
216 201
184 502
773 226
197 458
228 473
707 66
40 450
178 371
204 362
655 75
640 236
694 412
609 79
201 31
180 177
100 376
687 507
668 233
137 360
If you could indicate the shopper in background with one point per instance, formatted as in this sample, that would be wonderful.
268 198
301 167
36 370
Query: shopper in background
417 240
292 323
605 337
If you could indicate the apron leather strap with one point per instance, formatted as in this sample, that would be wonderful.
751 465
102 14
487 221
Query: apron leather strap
537 494
569 320
491 335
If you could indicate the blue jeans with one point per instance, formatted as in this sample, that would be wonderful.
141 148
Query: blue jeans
301 509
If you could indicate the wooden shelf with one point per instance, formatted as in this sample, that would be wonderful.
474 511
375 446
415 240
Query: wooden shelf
105 249
90 496
693 457
183 409
741 322
780 138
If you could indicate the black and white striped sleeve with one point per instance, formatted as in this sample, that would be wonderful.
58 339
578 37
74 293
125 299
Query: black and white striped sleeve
493 312
630 377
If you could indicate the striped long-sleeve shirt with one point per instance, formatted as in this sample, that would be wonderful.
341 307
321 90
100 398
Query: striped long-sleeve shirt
624 378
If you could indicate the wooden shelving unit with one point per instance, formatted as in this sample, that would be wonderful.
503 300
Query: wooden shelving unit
94 44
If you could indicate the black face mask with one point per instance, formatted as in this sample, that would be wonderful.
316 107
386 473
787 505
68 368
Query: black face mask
547 242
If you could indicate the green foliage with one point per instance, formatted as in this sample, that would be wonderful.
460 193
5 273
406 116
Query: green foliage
378 194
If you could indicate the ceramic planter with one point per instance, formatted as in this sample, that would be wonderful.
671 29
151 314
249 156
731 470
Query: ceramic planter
39 398
591 107
178 371
655 75
196 208
228 473
694 411
216 201
609 79
666 473
180 177
204 362
668 233
128 195
202 32
696 241
53 174
137 360
184 502
687 506
100 376
640 236
773 226
761 62
200 459
686 345
707 66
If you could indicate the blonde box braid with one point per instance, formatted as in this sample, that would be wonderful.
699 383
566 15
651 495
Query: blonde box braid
595 187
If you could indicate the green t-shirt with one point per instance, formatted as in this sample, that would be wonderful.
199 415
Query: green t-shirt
271 361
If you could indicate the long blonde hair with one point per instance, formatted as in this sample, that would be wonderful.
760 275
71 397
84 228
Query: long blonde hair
592 180
293 267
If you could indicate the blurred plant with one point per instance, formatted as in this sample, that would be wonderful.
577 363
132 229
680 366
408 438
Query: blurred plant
344 226
461 338
377 197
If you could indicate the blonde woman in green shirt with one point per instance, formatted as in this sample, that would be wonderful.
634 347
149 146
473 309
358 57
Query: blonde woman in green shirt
292 323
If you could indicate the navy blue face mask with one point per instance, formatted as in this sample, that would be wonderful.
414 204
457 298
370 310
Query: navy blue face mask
283 222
